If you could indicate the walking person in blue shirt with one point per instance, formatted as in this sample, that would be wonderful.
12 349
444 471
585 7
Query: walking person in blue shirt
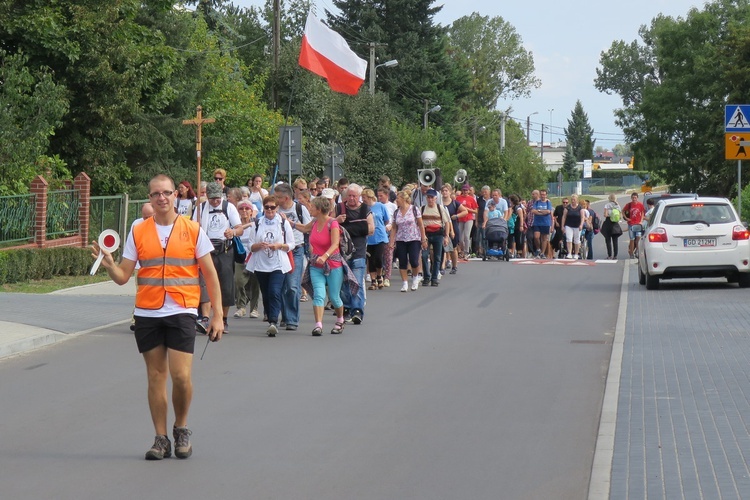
542 211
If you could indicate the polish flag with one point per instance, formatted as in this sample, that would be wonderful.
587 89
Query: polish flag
326 53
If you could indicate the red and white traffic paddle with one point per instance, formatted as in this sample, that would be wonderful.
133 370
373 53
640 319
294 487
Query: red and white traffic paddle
109 240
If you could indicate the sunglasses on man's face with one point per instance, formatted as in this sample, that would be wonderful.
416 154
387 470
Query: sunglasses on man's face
218 178
269 207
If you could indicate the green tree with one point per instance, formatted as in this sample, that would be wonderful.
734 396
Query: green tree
674 86
33 107
244 138
112 67
493 52
579 134
569 164
622 150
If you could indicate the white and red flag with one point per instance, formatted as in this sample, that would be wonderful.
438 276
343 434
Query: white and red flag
326 53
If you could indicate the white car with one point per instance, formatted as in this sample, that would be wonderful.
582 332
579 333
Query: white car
697 237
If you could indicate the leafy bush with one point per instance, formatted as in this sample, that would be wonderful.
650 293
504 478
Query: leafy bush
36 264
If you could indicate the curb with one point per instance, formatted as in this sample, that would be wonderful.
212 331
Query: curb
31 342
601 470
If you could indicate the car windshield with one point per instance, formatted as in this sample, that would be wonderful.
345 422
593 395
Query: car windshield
697 212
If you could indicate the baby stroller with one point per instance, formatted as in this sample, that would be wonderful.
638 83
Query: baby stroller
496 236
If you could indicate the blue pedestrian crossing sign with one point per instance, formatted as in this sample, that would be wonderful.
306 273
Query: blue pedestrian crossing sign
737 118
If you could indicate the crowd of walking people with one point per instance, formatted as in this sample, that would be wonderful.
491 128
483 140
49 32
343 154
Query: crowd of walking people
333 242
244 247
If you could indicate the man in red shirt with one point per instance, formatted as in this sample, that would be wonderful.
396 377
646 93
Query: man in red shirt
633 212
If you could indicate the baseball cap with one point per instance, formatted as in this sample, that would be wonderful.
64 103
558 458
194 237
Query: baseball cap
329 193
213 190
431 192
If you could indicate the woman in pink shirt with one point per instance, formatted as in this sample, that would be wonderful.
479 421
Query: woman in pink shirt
326 266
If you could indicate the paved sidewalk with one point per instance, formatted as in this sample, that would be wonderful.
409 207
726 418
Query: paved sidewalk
684 398
30 321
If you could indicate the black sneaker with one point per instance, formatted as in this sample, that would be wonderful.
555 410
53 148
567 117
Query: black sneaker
434 283
357 318
182 446
425 282
454 270
162 448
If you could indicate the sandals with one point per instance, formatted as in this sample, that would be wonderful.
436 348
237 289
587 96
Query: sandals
304 298
317 331
337 328
380 282
372 287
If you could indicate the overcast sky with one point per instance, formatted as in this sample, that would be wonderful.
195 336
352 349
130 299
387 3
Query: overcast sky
566 39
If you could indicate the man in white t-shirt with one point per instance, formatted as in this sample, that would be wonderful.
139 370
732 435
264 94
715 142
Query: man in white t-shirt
221 222
166 306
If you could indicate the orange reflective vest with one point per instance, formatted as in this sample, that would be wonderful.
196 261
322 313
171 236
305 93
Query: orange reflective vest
172 270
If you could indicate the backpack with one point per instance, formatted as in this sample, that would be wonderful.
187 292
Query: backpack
614 214
595 222
512 221
346 245
240 252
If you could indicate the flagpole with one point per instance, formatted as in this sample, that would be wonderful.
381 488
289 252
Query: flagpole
286 123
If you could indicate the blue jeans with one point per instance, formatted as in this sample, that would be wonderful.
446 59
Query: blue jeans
292 291
590 242
355 304
430 270
270 288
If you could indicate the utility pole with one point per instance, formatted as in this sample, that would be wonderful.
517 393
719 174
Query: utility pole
503 117
276 51
541 145
373 75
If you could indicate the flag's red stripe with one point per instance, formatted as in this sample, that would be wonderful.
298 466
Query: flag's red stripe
338 78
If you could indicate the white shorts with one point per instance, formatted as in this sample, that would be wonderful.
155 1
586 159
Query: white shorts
572 234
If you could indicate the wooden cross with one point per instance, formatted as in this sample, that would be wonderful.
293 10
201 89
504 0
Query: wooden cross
198 121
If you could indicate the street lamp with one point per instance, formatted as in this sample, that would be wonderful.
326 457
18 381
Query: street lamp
528 126
373 74
479 129
431 110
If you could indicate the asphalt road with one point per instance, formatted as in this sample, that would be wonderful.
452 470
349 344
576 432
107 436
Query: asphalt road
489 386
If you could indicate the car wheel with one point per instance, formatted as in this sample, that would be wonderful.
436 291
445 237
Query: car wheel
641 276
652 282
743 280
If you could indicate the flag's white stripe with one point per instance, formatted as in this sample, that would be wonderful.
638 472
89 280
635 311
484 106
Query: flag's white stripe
331 45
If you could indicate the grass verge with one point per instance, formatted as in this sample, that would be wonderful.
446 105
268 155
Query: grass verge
53 284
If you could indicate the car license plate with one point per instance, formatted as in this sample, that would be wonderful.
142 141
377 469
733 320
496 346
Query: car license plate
700 242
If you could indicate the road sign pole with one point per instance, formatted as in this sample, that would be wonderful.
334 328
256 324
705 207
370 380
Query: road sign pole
739 188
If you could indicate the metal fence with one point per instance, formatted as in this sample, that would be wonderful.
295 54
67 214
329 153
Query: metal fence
62 213
106 212
16 218
594 186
